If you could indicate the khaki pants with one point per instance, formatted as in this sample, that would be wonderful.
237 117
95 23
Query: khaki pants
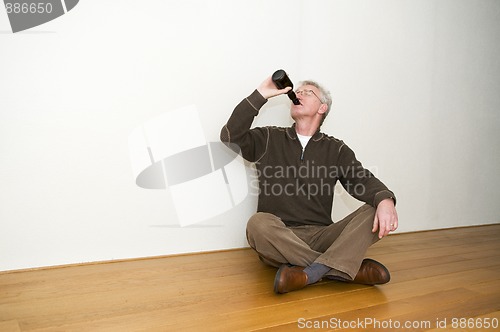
341 245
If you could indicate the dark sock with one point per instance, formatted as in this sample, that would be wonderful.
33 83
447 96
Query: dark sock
315 272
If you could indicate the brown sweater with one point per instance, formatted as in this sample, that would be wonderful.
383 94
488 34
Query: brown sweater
298 184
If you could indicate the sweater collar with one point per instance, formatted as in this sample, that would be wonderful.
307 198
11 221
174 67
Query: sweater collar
292 133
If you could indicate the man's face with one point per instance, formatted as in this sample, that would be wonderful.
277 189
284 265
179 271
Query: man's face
310 104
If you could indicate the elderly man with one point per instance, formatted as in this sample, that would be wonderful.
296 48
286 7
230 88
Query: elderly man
298 167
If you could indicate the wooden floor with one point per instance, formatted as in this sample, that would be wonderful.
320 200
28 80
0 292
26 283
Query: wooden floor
446 278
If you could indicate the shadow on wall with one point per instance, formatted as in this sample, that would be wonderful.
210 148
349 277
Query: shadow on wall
204 179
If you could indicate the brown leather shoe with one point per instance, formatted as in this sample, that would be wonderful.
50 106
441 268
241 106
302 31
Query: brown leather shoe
289 278
372 272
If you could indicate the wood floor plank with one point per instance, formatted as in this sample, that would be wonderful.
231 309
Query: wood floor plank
9 326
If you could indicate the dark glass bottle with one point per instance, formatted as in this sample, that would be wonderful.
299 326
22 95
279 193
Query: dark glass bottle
281 80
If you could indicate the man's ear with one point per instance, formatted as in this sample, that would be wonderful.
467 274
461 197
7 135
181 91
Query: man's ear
322 109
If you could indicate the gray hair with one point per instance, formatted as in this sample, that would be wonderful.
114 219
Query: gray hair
325 96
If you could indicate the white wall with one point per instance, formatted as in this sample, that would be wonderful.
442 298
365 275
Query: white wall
415 87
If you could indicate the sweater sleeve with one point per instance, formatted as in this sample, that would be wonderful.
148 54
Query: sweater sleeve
251 142
360 182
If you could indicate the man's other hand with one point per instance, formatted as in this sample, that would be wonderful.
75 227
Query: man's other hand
386 218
